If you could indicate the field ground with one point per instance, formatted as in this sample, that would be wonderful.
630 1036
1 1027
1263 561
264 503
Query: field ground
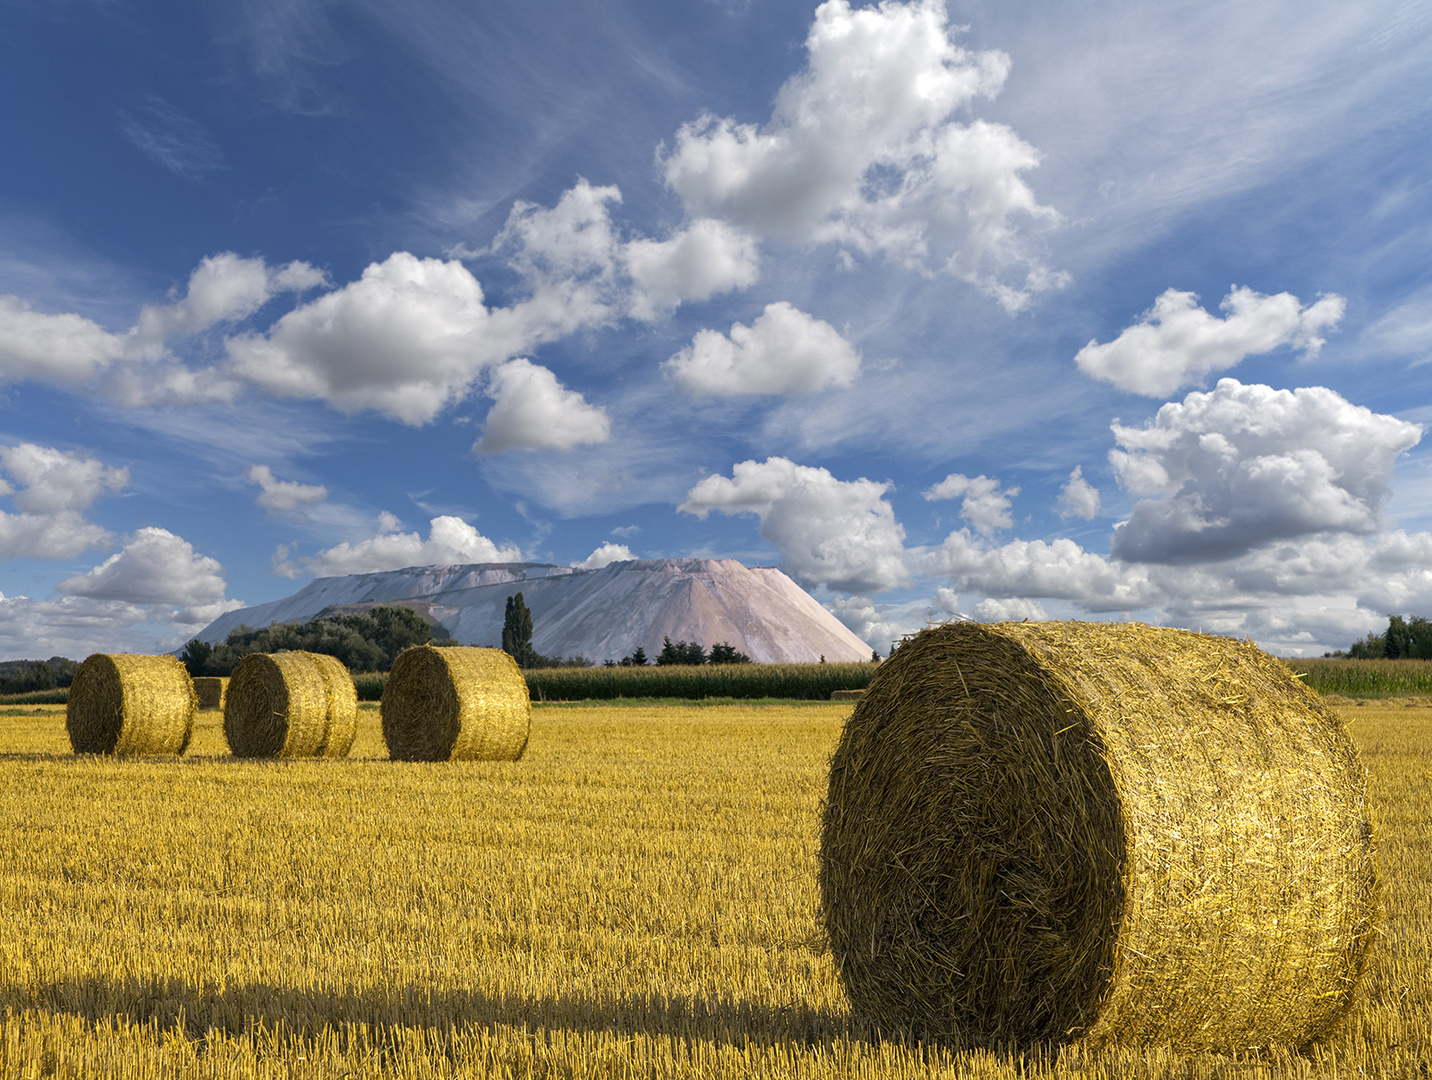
635 898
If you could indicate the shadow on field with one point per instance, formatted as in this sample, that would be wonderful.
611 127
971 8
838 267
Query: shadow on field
172 1005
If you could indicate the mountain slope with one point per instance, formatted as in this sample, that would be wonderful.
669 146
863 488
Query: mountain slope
600 614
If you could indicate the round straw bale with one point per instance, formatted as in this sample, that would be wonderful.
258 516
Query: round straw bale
455 703
291 705
121 703
210 690
1039 832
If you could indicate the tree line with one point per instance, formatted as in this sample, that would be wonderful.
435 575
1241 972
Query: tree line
369 641
1404 639
29 676
689 653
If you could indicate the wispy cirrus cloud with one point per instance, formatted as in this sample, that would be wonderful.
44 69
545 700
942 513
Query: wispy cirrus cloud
170 138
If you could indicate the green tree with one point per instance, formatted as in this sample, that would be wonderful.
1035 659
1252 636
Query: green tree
196 656
1408 639
681 652
725 653
517 632
1369 648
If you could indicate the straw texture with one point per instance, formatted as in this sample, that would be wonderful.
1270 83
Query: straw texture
342 722
455 703
1040 832
122 703
290 705
210 690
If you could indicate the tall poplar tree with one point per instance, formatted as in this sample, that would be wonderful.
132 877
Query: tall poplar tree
517 632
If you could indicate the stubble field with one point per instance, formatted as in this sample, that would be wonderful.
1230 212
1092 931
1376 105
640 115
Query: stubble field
635 898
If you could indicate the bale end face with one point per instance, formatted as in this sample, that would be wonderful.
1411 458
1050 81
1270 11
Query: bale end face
1045 832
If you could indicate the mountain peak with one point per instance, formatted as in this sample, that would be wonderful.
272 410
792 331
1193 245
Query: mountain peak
601 614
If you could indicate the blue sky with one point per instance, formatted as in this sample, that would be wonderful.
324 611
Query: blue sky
1099 309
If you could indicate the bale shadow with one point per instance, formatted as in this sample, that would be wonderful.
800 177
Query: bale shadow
197 1012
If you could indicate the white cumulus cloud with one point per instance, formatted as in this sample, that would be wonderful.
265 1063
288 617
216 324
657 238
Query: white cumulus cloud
1176 343
1238 467
533 411
986 505
1058 569
839 533
450 541
223 288
1008 610
155 568
54 480
605 555
785 351
697 262
862 150
64 348
406 339
284 496
55 488
1078 498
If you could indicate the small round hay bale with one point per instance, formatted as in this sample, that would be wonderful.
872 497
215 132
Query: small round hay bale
1040 832
455 703
290 705
210 690
122 703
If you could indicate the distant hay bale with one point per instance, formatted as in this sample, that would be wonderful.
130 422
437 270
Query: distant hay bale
210 690
290 705
846 695
455 703
121 703
1037 832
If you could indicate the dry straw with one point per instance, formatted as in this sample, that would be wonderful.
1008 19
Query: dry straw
455 703
210 690
291 705
1037 832
121 703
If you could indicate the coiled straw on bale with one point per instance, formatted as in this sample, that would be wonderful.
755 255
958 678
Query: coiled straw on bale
121 703
1037 832
291 705
455 703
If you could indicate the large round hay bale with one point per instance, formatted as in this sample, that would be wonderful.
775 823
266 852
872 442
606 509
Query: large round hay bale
122 703
455 703
210 690
290 705
1037 832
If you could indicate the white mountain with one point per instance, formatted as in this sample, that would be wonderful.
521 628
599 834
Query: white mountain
599 614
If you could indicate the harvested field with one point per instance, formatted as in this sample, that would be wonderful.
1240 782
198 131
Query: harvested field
636 897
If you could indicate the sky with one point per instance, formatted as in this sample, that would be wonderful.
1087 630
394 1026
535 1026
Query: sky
1091 309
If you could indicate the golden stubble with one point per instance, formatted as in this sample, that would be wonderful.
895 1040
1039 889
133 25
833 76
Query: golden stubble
635 897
